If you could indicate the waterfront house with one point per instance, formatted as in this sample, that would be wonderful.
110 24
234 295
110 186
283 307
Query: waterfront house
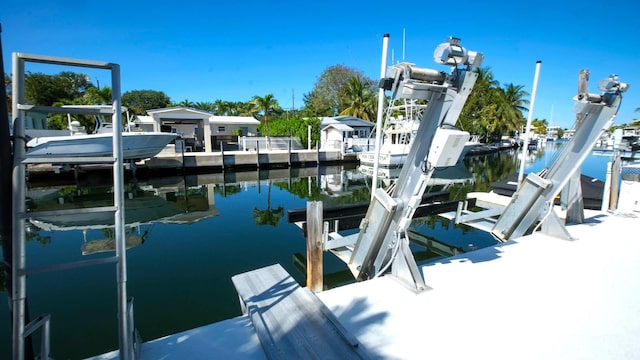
344 132
201 130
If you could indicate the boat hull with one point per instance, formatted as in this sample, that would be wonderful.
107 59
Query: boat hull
385 160
396 159
135 145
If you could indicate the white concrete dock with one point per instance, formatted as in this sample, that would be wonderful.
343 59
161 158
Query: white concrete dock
537 297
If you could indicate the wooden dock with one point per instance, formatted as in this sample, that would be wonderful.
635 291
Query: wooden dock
291 322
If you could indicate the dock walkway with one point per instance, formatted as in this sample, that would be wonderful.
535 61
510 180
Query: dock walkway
291 322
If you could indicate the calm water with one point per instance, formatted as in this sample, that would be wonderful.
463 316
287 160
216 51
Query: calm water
192 234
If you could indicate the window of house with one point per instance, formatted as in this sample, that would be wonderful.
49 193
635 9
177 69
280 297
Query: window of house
222 129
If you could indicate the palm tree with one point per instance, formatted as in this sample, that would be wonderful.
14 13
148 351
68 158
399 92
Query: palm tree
268 216
221 107
184 103
266 104
97 96
360 100
204 106
477 113
512 104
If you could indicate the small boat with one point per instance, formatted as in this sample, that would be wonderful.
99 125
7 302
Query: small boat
136 145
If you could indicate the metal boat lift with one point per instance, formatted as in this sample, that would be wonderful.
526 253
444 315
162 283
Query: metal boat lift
532 204
128 339
382 242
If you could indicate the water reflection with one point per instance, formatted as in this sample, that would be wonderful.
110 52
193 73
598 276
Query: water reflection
189 199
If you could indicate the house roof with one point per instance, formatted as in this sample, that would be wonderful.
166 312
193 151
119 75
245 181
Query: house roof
347 120
234 120
185 112
178 110
340 127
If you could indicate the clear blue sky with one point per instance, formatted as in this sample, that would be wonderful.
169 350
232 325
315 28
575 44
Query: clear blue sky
233 50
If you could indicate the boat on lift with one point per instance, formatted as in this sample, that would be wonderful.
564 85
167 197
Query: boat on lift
136 145
401 125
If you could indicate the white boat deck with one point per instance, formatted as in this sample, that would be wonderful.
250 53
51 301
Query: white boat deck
537 297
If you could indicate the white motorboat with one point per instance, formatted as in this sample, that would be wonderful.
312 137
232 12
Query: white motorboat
136 145
398 135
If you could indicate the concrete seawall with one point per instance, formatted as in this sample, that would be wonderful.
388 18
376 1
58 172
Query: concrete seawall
168 162
243 159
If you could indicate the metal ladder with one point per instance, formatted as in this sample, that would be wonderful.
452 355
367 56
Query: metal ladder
128 343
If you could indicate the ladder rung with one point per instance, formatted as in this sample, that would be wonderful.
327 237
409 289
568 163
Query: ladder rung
70 160
56 60
78 110
96 209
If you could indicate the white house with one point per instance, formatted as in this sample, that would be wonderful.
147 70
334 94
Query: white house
342 132
332 136
200 129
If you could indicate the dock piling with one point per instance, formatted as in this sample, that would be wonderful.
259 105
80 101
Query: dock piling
314 246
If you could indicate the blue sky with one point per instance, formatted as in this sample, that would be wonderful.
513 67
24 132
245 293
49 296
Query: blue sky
234 50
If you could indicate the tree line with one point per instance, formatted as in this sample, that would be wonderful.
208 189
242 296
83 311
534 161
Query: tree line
492 110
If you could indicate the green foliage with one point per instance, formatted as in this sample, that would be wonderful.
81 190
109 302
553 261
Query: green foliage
42 89
297 127
97 96
139 101
492 111
325 98
268 216
560 133
359 99
302 188
184 103
539 126
265 104
227 189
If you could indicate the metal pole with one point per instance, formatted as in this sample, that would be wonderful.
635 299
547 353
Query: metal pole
126 348
19 278
383 68
5 188
525 145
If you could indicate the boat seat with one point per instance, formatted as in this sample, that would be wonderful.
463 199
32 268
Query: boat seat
290 321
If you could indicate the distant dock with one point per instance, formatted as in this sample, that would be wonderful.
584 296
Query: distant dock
168 162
